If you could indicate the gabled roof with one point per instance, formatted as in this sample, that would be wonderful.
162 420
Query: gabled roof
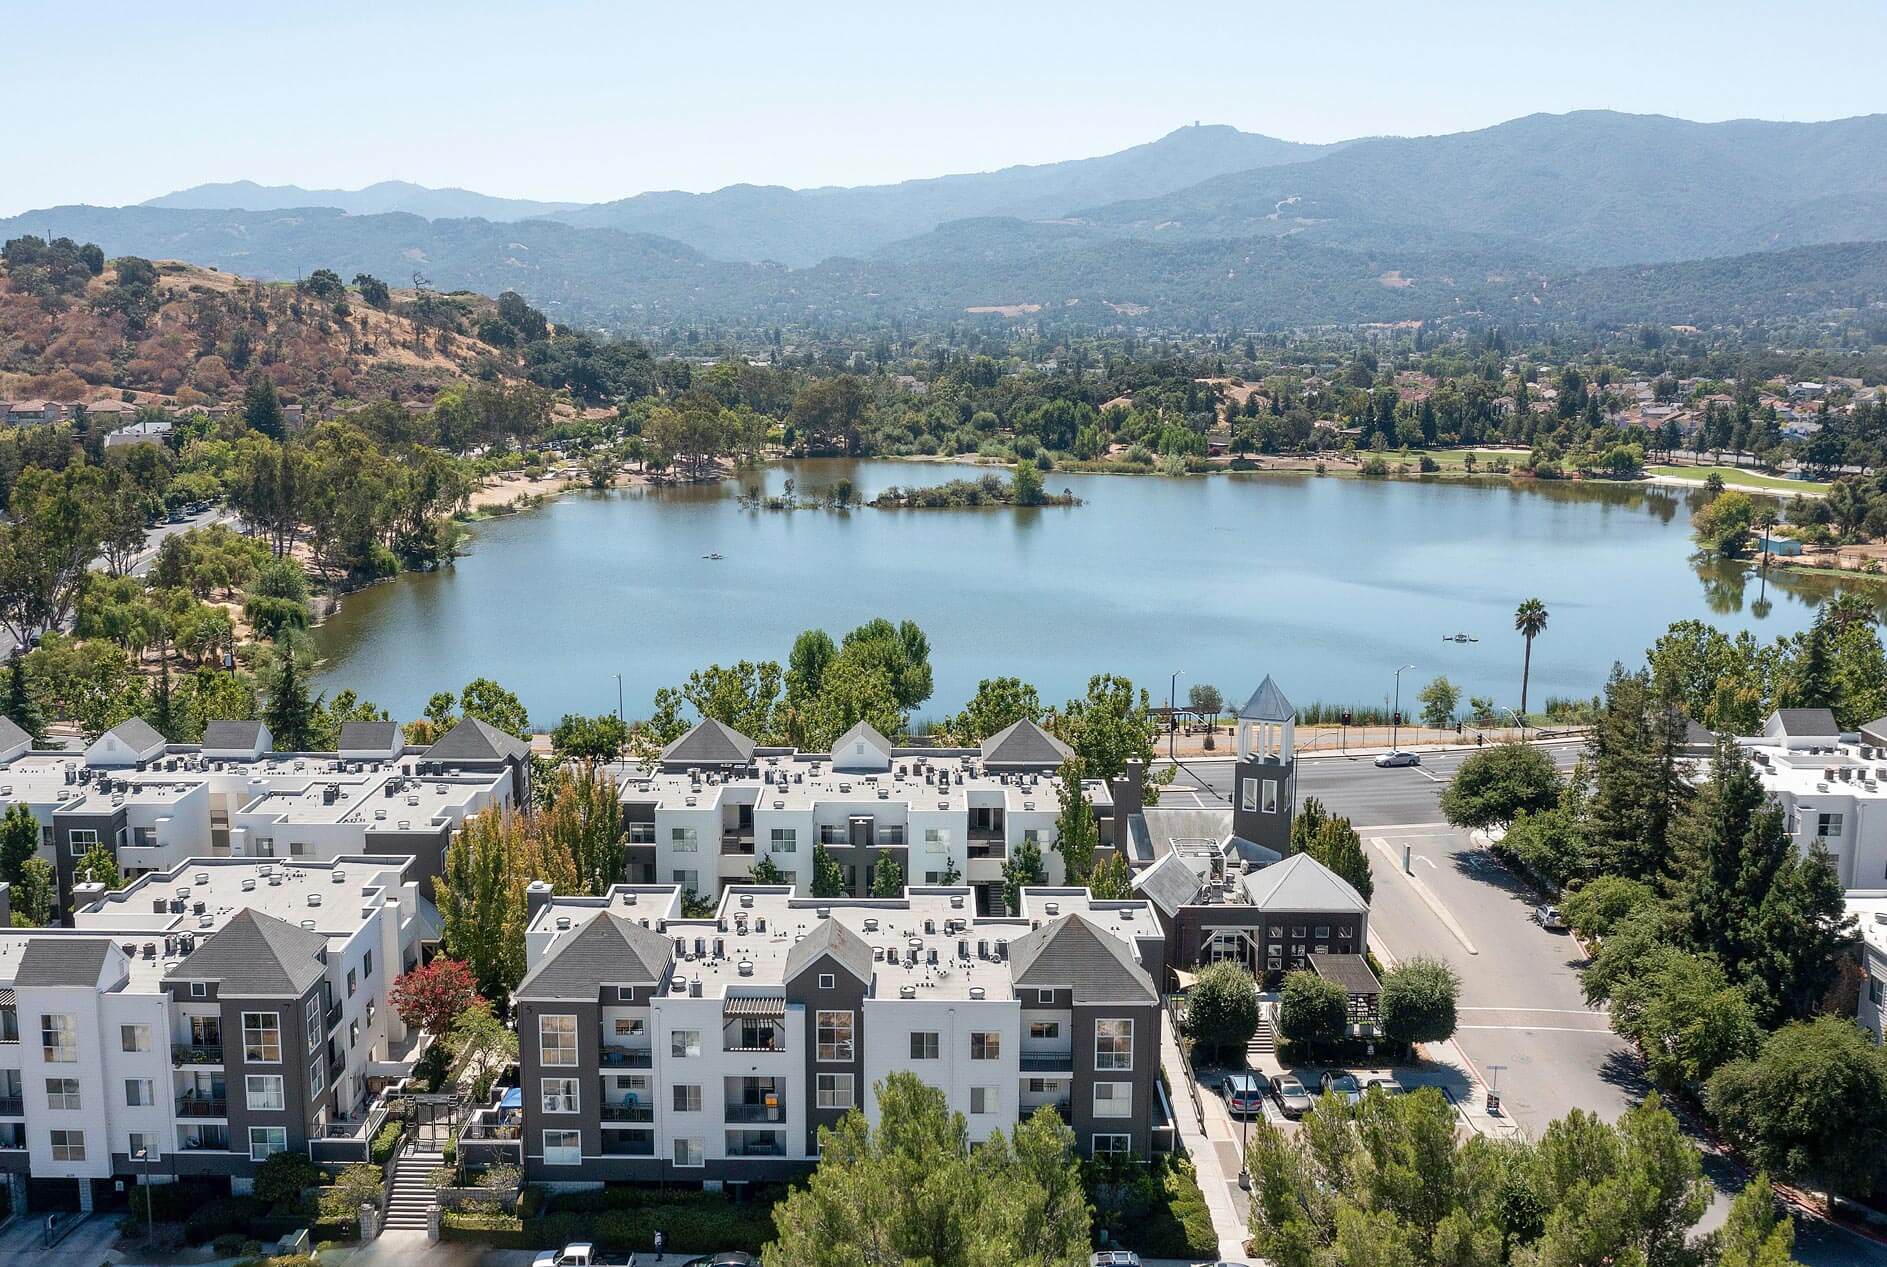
369 736
830 937
1071 952
62 961
1267 703
137 734
1874 732
1301 883
1024 743
710 743
1802 723
475 740
11 736
609 950
863 730
1169 884
234 736
257 956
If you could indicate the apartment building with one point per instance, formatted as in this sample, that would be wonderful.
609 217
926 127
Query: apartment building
715 803
156 804
1869 910
1832 788
206 1017
712 1050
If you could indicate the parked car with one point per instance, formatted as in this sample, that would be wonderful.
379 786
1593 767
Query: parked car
1293 1100
581 1254
1384 1084
1401 756
1549 918
1343 1084
733 1258
1245 1093
1114 1258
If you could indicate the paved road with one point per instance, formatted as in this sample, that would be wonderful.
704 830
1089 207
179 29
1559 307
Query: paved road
86 1245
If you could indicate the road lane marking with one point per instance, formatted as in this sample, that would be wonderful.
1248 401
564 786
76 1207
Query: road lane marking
1561 1011
1538 1029
1432 778
1425 858
1434 903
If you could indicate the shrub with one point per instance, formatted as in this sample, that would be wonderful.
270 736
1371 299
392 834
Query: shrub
225 1214
1155 1209
1600 904
229 1244
284 1177
386 1141
1418 1001
1312 1010
1222 1008
626 1217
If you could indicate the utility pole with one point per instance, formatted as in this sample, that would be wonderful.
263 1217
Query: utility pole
1172 715
1395 717
622 725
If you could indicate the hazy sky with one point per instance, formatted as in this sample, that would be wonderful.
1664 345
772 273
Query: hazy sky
116 102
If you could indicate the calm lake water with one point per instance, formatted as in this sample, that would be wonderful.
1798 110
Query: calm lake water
1326 583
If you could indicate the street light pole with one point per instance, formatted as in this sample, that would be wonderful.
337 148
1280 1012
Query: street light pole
150 1212
1172 715
1395 717
622 726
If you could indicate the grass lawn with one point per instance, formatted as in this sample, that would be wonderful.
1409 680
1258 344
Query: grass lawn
1737 477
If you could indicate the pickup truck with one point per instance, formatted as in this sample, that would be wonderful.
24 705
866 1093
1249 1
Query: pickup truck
581 1254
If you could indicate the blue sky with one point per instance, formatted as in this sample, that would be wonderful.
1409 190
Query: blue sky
115 102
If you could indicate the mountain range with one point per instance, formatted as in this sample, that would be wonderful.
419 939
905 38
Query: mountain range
1578 217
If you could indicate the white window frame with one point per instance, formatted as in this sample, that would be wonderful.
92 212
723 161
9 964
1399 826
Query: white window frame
266 1023
926 1044
684 840
989 1098
1117 1097
783 840
567 1151
557 1054
684 1097
273 1140
834 1091
68 1145
1044 1029
1248 794
64 1095
828 981
559 1095
264 1092
839 1050
1124 1147
630 1027
1112 1059
134 1037
311 1019
1269 804
689 1153
58 1038
140 1093
684 1044
1045 996
991 1042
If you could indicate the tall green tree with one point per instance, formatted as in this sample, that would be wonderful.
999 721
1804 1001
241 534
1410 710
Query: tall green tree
998 703
1222 1008
21 708
481 899
1111 880
290 713
828 878
887 878
1439 699
1336 844
1498 784
495 706
583 822
1418 1001
36 894
1076 833
1529 622
1023 870
1108 727
98 865
1635 755
19 841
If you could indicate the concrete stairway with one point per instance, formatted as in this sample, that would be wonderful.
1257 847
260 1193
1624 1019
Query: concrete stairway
412 1196
1264 1039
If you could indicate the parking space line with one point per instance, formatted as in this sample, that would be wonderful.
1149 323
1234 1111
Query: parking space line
1540 1029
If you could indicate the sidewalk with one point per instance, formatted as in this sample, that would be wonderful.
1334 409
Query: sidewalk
1215 1158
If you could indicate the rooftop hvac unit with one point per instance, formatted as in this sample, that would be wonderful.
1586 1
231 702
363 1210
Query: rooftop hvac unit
720 947
760 924
878 954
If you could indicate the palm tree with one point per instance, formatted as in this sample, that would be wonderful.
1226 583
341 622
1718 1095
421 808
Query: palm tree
1529 621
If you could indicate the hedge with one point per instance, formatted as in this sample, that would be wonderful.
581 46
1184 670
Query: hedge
499 1231
626 1218
386 1141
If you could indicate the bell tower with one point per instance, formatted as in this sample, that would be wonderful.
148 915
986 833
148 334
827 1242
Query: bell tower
1264 783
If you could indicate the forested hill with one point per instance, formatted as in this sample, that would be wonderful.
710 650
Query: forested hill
376 199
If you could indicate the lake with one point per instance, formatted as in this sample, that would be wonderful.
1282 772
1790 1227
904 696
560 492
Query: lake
1329 584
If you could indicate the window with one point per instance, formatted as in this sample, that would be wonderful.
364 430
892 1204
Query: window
1044 1029
1270 804
353 1035
135 1037
1114 1044
1113 1099
1115 1145
628 1027
1828 826
688 1152
139 1093
366 965
784 840
560 1095
986 1046
1322 933
62 1093
835 1036
936 840
199 989
834 1090
557 1040
317 1078
68 1145
923 1046
684 839
686 1099
59 1040
690 881
262 1037
350 983
684 1042
1873 990
311 1021
264 1092
625 994
138 1145
1248 795
563 1148
266 1141
83 838
1045 997
982 1099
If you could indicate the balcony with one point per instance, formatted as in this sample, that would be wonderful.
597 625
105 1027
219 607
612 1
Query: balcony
628 1113
334 1015
737 841
755 1144
199 1054
12 1106
890 837
754 1112
997 849
613 1057
192 1104
638 1144
1048 1062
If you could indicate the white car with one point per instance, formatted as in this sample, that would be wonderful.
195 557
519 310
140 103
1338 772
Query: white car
1401 756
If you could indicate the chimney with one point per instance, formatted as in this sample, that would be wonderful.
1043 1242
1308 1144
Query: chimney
1126 792
83 895
536 898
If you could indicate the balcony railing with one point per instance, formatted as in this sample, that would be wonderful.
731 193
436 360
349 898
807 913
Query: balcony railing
202 1106
334 1015
628 1113
987 849
12 1106
617 1145
737 842
198 1054
627 1057
1048 1062
755 1112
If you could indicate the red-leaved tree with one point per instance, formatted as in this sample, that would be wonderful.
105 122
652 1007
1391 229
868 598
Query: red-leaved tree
433 996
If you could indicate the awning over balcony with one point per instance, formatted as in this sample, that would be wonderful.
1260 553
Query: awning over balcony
773 1006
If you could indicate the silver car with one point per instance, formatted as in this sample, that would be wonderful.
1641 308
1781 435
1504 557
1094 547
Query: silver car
1401 756
1343 1084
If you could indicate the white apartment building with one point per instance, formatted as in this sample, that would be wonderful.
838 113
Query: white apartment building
1832 788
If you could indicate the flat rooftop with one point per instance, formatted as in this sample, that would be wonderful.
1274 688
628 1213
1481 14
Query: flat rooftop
1869 909
802 780
1845 769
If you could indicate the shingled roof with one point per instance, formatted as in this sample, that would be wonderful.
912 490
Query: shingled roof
475 740
1804 723
232 736
137 734
710 743
1267 703
609 950
257 956
1169 884
11 736
830 937
1072 952
1023 743
370 736
62 961
1301 883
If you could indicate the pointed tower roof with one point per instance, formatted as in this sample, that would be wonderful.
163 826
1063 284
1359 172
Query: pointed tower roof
1267 703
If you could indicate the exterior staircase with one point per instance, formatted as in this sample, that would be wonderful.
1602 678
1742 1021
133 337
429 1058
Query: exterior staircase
410 1201
1264 1039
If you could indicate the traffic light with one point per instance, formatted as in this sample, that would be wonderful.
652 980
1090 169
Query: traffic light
1346 717
1396 719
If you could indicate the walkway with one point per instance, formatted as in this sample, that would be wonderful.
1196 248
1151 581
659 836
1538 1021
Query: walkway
1214 1152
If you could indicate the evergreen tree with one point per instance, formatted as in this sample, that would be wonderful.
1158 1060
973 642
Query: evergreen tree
290 714
162 712
828 880
1808 682
21 707
262 408
1638 787
766 871
887 879
1338 847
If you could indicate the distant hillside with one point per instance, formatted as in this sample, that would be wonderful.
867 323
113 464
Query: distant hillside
192 335
803 226
388 195
1589 188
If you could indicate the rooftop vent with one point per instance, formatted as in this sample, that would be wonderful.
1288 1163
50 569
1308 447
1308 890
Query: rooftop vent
314 899
203 877
871 924
563 923
248 884
337 876
907 991
977 992
956 902
823 912
308 924
746 899
1053 908
744 967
